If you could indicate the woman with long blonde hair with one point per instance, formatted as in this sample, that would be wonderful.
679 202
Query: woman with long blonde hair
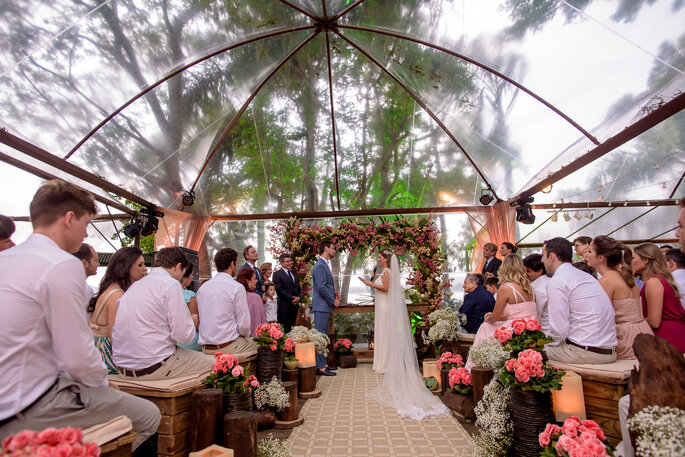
515 300
660 295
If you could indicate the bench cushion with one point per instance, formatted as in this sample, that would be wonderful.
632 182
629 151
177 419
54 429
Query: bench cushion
466 337
620 369
167 385
110 430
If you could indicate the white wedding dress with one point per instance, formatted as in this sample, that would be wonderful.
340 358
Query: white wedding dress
402 387
380 340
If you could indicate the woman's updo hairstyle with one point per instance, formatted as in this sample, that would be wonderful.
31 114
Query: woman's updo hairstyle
619 257
387 254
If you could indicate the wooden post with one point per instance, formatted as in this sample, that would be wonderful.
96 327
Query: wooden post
480 377
289 375
265 418
240 433
205 418
331 359
307 379
290 413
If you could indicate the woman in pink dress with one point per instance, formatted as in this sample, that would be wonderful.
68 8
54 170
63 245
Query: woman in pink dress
613 261
515 300
660 295
248 279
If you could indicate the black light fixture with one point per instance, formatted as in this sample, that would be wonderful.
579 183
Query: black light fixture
524 212
188 198
132 228
485 197
150 221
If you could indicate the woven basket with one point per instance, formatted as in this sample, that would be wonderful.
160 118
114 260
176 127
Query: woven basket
531 411
269 364
237 402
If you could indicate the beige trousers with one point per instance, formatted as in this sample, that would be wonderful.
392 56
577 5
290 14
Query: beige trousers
242 348
183 362
568 353
71 404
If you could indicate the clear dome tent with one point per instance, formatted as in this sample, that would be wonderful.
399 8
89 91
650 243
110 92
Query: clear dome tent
265 109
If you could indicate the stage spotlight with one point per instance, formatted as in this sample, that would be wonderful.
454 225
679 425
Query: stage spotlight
485 197
524 214
132 228
188 198
555 217
150 221
567 217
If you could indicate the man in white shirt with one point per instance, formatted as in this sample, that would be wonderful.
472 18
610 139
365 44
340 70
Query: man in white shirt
51 373
675 260
224 315
581 317
152 316
537 275
89 259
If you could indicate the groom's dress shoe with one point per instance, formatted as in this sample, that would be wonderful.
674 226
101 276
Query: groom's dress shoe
331 368
325 373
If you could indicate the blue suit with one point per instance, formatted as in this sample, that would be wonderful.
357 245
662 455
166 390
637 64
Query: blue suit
323 297
476 304
259 288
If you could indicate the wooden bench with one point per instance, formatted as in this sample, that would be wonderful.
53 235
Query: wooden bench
119 447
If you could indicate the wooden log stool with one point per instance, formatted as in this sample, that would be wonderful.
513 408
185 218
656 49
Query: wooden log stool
174 428
290 375
206 424
462 405
265 418
465 342
307 383
290 417
119 447
240 433
480 378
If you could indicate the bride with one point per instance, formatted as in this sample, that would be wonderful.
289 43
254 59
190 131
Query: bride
394 353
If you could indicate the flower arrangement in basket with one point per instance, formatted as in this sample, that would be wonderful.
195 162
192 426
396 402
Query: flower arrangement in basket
300 334
460 381
343 347
228 376
272 395
575 438
658 431
448 361
270 336
50 442
529 372
522 334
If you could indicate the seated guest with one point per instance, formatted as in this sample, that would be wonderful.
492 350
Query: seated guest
270 305
224 315
515 300
581 318
191 301
581 245
613 261
537 275
583 266
151 318
665 248
660 295
89 258
248 279
492 286
125 267
6 231
51 374
507 248
288 292
675 260
477 302
492 263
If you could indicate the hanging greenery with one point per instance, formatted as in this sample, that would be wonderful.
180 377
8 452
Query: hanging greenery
416 241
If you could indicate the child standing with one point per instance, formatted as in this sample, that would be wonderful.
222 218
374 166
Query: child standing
270 304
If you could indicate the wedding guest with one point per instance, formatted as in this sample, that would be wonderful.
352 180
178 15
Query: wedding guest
251 256
266 269
581 245
537 275
270 306
191 301
247 278
6 230
124 268
507 248
660 295
613 261
151 318
224 315
581 317
492 263
665 248
675 261
51 374
89 258
477 302
288 292
583 266
492 286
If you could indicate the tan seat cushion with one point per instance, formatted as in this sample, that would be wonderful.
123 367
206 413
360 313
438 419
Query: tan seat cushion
466 337
166 385
104 433
620 369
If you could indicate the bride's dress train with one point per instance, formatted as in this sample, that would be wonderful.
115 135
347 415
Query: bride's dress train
402 387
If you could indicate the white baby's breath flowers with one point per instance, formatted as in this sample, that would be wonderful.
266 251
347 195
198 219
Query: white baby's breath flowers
300 334
272 394
659 431
493 417
272 447
488 354
445 326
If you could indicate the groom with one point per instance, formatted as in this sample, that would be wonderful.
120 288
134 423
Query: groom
324 298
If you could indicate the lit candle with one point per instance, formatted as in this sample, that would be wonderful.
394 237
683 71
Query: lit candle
305 353
431 369
569 401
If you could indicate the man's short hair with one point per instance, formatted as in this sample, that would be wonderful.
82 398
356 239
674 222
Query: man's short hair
224 258
323 244
582 266
666 246
561 247
282 257
492 247
677 257
85 252
583 240
492 281
477 278
246 250
269 284
6 227
534 262
55 198
170 257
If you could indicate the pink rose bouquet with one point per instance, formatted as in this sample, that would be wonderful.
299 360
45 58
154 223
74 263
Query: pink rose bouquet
575 438
289 348
448 361
343 347
270 336
65 442
229 376
460 380
522 334
529 372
